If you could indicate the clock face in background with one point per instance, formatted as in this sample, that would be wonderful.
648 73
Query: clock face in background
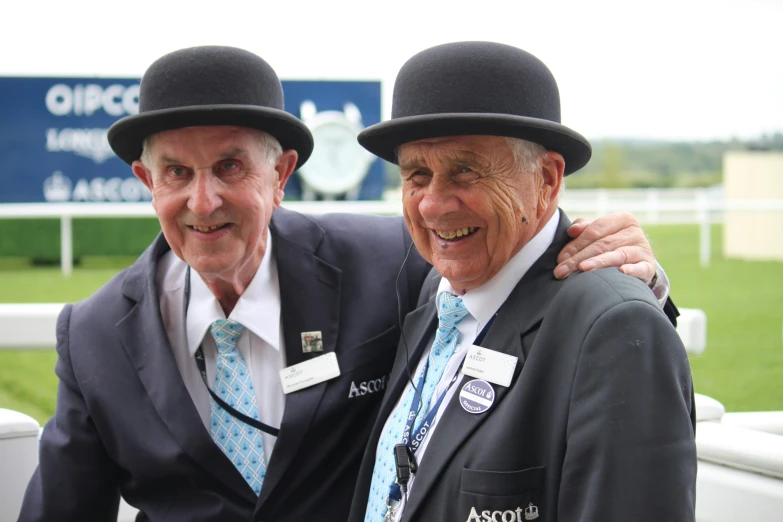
338 163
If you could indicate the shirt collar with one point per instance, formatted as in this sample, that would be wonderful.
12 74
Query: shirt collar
482 302
258 308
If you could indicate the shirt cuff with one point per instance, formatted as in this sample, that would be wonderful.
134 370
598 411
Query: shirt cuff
661 288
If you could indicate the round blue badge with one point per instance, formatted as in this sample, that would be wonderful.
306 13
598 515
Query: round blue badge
476 396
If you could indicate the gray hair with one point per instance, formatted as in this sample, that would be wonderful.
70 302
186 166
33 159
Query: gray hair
268 143
527 154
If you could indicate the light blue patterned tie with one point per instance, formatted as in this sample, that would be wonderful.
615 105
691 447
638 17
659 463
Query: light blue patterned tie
451 310
242 444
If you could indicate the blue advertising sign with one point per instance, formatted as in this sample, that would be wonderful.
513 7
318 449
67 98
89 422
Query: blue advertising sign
53 144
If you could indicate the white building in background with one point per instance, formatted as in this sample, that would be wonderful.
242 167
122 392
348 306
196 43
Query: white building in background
753 175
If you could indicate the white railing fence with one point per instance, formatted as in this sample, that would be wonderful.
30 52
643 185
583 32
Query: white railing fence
650 206
33 326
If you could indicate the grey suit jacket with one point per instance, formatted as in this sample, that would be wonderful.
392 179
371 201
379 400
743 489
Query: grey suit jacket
597 424
125 422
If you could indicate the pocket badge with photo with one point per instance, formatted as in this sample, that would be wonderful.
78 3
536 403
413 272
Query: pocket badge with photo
312 342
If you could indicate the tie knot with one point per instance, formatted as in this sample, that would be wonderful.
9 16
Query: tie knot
451 309
226 332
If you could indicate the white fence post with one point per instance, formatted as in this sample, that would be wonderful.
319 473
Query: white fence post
66 245
602 202
652 206
705 239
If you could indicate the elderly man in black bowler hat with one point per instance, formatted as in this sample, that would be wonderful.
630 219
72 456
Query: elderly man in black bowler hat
515 396
187 383
234 371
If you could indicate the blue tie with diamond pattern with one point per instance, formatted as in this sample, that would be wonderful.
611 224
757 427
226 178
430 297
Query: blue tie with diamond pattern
242 444
451 310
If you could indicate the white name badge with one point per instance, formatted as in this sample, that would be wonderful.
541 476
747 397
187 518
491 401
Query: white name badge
489 365
309 373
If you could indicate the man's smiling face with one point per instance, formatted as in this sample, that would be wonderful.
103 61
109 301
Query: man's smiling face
214 190
464 201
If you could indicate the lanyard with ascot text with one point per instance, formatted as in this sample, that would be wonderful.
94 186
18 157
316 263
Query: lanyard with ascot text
203 370
412 443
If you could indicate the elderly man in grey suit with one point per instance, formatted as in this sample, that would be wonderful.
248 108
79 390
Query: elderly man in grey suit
516 396
234 371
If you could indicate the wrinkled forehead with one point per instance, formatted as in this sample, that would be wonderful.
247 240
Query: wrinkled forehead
188 136
474 149
203 141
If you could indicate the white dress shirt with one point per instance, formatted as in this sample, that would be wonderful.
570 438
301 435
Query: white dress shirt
261 344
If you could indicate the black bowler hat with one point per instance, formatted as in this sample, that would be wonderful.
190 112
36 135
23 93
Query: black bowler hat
476 88
210 85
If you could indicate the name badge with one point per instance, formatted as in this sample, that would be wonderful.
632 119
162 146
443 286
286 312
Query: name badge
309 373
489 365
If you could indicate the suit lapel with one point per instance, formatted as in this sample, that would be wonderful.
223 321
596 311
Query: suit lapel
417 329
147 345
310 301
523 311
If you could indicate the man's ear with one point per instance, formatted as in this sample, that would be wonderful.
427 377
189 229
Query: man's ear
143 173
552 169
284 167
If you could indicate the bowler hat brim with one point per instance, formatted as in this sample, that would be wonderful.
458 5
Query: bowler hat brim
127 135
384 138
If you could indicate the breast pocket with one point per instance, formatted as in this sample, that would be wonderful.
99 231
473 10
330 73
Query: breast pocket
501 496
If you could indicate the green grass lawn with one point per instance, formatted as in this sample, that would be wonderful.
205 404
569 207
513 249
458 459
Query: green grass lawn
742 366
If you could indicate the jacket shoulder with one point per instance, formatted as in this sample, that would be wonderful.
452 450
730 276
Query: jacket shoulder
107 305
344 239
600 290
351 229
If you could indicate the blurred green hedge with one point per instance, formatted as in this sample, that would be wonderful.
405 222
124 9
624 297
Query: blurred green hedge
39 239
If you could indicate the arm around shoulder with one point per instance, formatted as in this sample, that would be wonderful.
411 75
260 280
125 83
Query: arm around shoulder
75 478
630 451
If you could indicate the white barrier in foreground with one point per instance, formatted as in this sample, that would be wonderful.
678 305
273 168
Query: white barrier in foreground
692 328
18 459
32 326
740 454
29 325
740 474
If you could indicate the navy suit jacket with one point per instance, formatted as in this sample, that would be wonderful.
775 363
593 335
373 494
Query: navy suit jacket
125 423
597 423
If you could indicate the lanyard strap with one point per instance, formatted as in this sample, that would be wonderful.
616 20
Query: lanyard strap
199 355
414 442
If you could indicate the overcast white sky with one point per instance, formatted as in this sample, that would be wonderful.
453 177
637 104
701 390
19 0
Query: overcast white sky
687 69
